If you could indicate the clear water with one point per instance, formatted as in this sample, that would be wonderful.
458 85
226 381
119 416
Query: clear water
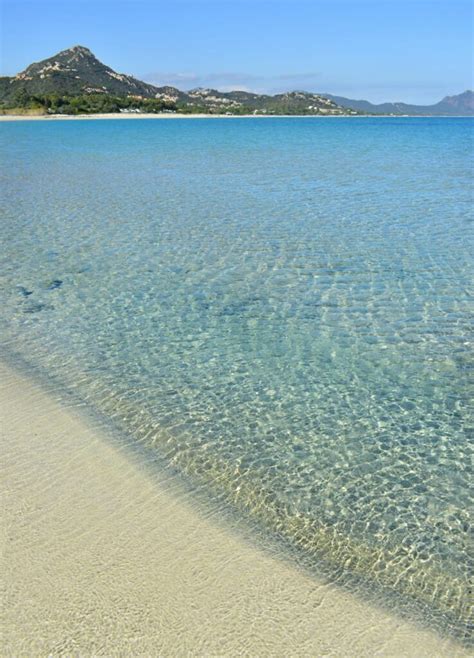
280 308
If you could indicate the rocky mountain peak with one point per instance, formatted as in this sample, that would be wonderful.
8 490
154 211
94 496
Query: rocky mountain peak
77 70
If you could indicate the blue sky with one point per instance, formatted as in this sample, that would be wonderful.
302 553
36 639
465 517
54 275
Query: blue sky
410 50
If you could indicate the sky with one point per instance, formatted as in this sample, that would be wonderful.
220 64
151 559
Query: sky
416 51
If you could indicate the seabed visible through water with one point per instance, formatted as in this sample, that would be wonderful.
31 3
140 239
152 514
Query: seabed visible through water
279 310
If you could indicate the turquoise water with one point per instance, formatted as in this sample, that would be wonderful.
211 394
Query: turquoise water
280 308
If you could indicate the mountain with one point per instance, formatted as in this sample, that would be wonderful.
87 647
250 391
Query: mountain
460 105
78 71
74 82
81 80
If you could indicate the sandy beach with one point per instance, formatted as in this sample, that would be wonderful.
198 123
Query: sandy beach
113 115
118 115
169 115
102 556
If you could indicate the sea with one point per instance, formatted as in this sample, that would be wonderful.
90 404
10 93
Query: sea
280 309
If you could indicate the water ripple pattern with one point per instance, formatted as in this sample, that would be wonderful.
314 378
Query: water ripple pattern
281 308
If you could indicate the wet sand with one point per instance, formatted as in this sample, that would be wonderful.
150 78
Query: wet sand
104 557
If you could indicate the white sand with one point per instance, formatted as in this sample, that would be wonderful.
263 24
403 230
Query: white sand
120 115
167 115
111 115
102 557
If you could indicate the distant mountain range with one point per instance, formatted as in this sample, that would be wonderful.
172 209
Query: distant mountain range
460 105
75 81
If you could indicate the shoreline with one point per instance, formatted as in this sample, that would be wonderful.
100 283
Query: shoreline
119 115
121 560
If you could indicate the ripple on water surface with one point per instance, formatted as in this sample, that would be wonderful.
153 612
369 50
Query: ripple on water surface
280 308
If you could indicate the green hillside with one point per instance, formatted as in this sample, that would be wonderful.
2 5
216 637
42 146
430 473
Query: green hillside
74 82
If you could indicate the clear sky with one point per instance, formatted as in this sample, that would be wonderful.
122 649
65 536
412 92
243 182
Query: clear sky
382 50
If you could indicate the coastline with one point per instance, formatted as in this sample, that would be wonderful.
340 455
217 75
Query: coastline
119 115
120 561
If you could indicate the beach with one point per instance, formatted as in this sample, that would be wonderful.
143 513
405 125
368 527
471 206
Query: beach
145 115
111 115
176 115
236 356
102 556
237 396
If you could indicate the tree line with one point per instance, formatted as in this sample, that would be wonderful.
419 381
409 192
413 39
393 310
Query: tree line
84 103
55 103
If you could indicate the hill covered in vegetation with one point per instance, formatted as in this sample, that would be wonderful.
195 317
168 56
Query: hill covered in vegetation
74 81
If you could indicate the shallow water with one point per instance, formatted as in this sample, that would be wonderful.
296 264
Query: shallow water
280 308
